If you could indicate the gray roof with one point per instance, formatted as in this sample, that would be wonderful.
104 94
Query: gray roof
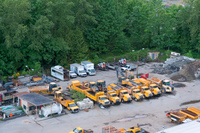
36 99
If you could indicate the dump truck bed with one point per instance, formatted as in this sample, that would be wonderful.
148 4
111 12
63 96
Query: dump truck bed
92 95
39 88
195 110
189 114
155 80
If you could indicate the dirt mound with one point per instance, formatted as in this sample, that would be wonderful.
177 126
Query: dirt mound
189 71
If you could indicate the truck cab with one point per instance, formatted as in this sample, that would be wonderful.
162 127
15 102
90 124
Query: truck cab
89 67
125 97
137 95
145 90
114 99
154 89
166 86
103 101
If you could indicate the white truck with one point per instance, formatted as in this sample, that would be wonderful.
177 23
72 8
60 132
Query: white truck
78 69
89 67
60 73
128 67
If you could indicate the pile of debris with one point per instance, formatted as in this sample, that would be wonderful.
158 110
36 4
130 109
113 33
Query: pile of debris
180 68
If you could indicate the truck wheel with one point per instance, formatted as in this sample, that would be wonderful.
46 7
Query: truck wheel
136 99
101 106
112 102
122 100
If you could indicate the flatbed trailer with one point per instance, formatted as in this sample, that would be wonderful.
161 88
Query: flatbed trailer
189 114
195 110
176 116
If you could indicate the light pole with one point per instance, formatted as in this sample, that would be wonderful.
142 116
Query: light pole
109 120
138 61
29 75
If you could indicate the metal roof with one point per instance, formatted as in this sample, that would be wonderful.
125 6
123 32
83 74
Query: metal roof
36 99
189 127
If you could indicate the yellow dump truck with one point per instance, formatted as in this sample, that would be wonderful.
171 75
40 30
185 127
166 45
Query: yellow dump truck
164 85
121 92
66 101
76 85
112 96
80 130
152 86
143 88
46 89
98 97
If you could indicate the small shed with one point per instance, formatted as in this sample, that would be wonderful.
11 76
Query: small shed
16 97
154 54
32 101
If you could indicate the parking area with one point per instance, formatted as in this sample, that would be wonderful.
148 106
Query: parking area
149 114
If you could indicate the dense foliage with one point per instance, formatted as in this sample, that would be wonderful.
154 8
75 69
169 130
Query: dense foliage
61 32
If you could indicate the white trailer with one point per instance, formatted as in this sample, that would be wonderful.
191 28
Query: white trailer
78 69
89 67
60 73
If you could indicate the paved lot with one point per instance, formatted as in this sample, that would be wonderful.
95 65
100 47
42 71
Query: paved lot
150 114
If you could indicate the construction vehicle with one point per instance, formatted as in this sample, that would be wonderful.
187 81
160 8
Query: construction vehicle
132 130
66 102
121 92
46 89
176 117
92 85
152 86
101 85
7 97
77 86
98 97
102 66
164 85
80 130
112 96
122 62
189 114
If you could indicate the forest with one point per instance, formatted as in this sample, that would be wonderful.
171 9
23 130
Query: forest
54 32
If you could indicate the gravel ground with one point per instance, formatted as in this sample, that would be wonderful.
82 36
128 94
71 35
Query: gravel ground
149 114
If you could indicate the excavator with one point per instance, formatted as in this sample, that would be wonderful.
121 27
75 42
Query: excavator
92 85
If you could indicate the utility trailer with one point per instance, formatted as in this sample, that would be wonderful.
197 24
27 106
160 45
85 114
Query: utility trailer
189 114
60 73
176 117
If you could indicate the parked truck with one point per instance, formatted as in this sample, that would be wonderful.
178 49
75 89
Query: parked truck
121 92
46 89
132 130
152 86
81 130
60 73
77 86
7 97
164 85
102 66
112 96
89 67
66 101
78 69
99 98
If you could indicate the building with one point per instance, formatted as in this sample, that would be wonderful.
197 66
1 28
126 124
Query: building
32 102
154 54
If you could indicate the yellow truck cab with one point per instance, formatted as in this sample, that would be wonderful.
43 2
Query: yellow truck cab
145 90
66 102
132 130
121 92
154 89
112 96
137 95
80 130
